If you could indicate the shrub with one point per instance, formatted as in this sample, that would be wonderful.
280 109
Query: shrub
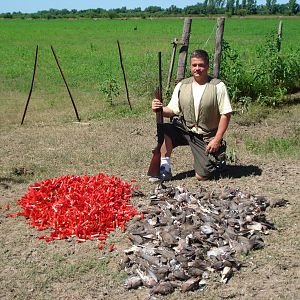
110 88
265 79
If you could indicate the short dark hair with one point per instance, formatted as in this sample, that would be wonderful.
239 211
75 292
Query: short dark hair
199 53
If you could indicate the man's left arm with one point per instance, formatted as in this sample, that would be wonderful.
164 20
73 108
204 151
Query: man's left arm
225 110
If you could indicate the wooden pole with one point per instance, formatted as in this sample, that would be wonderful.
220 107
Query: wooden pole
279 35
218 46
62 75
32 82
124 75
183 51
175 42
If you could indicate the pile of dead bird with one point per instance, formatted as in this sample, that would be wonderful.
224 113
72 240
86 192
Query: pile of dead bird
186 238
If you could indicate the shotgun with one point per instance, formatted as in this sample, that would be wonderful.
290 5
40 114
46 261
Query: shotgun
154 166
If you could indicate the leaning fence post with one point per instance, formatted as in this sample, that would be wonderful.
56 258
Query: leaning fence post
32 82
218 46
279 35
183 51
174 43
62 75
124 75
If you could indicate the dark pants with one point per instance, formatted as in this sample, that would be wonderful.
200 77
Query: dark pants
205 164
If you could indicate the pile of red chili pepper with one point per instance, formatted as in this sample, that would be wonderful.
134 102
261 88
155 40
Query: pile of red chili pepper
88 207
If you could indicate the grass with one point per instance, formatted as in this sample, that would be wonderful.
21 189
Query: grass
289 146
110 139
274 142
254 114
88 54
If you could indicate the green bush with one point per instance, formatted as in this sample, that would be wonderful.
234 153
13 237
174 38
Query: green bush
264 79
111 89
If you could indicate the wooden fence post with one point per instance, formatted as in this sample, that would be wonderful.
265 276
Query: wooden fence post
182 57
218 46
64 79
32 82
174 43
279 35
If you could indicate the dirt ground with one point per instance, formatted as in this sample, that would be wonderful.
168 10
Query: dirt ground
33 269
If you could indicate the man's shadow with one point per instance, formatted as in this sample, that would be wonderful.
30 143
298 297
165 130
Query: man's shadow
230 171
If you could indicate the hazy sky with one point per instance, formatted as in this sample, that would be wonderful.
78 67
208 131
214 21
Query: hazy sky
28 6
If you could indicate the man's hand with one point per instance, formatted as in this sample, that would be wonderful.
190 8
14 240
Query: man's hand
213 145
156 105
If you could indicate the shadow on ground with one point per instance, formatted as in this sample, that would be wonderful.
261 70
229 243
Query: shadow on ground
8 181
232 171
236 171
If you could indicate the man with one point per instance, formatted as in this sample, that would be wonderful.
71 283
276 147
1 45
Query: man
201 110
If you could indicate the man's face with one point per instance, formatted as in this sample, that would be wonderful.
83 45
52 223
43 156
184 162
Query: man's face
199 67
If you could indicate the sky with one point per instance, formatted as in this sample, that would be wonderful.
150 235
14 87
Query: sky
31 6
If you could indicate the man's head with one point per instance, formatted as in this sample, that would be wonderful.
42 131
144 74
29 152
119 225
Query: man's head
199 63
200 54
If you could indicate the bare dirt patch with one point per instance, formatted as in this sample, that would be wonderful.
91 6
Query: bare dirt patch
31 268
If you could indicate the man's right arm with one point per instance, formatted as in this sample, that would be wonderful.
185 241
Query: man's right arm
157 105
172 108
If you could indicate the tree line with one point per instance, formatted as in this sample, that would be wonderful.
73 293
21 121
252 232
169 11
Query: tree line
206 8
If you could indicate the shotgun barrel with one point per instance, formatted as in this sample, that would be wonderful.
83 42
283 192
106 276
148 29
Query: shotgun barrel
154 167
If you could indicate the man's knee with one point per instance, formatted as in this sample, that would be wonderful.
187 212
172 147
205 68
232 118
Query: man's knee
202 178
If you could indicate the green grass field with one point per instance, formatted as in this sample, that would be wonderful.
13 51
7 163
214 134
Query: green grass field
263 152
88 53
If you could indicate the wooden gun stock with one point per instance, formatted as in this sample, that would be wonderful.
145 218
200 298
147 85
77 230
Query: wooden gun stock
154 167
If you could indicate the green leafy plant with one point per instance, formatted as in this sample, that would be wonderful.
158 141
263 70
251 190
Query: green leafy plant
265 78
111 89
232 71
231 156
274 74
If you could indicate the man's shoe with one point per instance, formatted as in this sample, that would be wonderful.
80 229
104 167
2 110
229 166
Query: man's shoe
154 179
165 175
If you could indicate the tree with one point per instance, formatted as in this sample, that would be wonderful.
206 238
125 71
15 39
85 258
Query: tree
293 7
230 6
198 9
271 6
7 15
153 9
212 6
137 9
173 9
251 7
